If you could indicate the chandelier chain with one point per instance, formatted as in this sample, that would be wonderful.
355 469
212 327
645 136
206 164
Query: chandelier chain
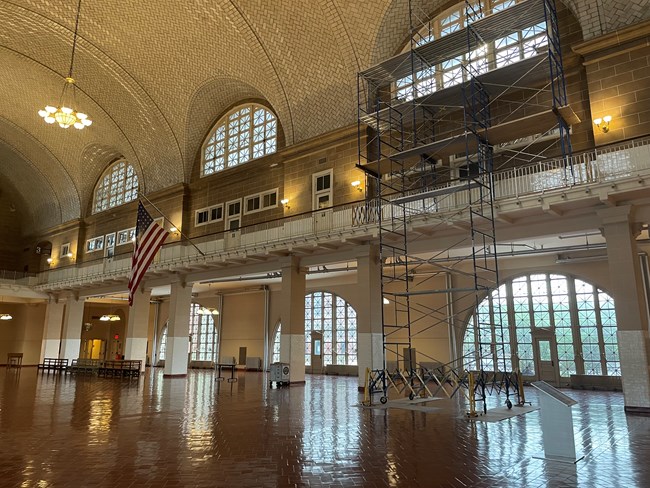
74 39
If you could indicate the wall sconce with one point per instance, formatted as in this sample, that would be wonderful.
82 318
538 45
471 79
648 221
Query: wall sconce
285 203
69 255
603 123
357 184
174 230
5 316
49 260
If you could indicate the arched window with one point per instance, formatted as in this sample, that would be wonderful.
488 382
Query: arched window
248 132
545 319
203 335
337 321
204 339
118 185
163 345
492 55
275 357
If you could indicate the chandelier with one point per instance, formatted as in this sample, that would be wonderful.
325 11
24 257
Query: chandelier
110 318
64 113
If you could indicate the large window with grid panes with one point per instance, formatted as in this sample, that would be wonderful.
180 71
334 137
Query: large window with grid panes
117 185
574 318
203 335
335 318
247 132
495 54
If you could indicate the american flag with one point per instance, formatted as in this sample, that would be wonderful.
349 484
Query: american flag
149 236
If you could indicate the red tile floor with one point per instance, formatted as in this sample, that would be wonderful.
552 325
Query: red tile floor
63 431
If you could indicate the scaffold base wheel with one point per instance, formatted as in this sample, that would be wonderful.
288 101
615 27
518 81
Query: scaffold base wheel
508 404
383 400
411 396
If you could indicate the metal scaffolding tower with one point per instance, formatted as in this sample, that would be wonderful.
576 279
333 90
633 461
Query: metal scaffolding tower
415 114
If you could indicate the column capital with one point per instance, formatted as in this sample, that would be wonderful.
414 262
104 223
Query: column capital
615 215
290 262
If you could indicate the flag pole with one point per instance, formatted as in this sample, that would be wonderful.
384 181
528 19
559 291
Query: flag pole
141 195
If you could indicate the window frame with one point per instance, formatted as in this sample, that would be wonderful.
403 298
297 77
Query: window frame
217 150
229 218
260 197
329 191
450 72
113 189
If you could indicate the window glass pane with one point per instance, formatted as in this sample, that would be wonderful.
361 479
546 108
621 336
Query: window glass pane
118 185
584 326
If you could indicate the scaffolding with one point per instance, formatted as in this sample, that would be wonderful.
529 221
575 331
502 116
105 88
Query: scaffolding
455 98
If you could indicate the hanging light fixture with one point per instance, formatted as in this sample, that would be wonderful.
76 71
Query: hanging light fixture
110 318
207 311
64 114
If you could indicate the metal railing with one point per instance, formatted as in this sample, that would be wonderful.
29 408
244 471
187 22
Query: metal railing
605 165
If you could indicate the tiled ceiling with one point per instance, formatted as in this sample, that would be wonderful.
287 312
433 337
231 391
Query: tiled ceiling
155 75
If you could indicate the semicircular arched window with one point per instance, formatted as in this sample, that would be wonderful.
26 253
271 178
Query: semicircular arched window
247 132
545 325
117 185
331 324
501 52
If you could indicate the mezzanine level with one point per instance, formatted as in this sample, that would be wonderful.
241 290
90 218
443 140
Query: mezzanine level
590 180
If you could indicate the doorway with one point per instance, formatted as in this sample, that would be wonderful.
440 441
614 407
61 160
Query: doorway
316 352
94 349
546 362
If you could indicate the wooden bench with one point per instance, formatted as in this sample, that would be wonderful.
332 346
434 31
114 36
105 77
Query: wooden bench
82 365
53 364
128 368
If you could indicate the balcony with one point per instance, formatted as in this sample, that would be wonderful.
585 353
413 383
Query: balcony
595 176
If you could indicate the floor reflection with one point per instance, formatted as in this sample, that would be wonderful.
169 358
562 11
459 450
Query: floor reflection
64 431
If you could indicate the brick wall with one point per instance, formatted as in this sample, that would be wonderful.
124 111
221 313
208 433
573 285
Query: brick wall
618 73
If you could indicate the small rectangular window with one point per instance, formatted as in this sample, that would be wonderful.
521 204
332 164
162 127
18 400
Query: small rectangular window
233 220
123 237
110 240
90 245
252 204
234 209
99 243
65 250
270 199
216 213
201 217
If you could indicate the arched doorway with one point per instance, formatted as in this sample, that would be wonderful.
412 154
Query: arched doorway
549 326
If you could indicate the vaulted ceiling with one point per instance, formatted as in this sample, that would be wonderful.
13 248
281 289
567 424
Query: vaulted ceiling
155 75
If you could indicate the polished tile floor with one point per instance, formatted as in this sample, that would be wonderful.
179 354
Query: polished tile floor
62 431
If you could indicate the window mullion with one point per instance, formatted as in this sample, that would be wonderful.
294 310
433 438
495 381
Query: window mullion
575 326
599 331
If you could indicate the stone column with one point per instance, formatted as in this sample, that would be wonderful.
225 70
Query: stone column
72 323
52 329
178 330
137 327
292 316
370 346
627 287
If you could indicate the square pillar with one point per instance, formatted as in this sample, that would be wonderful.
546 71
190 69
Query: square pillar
137 327
72 323
52 330
178 330
631 317
292 317
370 347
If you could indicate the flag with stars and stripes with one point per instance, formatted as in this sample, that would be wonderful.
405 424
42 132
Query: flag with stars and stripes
149 236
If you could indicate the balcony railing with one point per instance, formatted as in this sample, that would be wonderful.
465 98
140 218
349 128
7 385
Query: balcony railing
601 166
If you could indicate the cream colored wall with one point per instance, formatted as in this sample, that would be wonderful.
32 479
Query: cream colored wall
242 324
24 333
